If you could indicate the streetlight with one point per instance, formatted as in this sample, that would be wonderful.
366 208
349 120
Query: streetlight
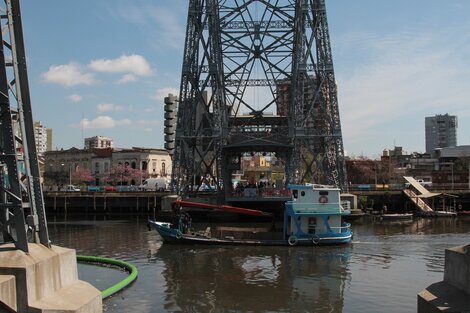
70 172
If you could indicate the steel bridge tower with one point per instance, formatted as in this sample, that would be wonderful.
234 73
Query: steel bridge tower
22 214
257 79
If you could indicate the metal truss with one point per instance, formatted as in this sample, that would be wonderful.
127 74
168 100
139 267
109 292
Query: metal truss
22 214
257 76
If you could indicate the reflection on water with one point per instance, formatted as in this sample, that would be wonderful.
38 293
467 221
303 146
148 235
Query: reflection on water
383 269
261 279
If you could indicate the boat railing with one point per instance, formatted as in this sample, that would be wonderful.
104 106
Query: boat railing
267 192
317 207
344 228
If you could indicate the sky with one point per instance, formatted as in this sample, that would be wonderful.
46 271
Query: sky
104 67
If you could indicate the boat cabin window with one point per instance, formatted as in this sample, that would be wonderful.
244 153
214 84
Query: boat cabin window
323 193
295 193
302 193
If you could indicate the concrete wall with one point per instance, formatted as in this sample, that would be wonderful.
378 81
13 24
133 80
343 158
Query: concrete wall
457 268
452 294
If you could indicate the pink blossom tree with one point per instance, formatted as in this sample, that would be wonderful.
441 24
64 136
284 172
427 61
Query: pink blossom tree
81 176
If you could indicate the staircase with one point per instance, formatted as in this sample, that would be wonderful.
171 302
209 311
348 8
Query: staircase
44 281
419 203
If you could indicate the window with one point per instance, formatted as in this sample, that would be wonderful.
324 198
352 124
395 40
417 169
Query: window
163 168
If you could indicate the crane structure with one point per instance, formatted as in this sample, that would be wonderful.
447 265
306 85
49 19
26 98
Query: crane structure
22 214
257 79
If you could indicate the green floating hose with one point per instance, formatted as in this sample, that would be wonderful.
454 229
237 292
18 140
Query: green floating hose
124 265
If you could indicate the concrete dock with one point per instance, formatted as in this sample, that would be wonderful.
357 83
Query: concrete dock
45 280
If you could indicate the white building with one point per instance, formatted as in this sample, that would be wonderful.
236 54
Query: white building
98 142
41 137
99 163
441 132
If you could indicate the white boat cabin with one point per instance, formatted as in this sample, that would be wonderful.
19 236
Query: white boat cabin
313 210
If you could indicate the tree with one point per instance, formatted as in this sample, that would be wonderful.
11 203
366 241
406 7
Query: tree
81 176
125 175
361 170
137 176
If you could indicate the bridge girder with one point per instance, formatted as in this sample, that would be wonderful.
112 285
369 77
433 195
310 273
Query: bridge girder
257 72
22 214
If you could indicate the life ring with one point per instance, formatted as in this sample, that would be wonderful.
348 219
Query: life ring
292 240
315 240
178 234
323 199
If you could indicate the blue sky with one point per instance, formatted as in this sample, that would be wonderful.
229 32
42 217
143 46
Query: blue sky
103 68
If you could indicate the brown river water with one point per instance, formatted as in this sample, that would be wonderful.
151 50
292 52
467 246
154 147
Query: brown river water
382 270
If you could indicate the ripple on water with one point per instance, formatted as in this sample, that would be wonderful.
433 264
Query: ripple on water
381 271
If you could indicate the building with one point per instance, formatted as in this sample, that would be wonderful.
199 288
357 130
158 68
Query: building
96 166
156 162
98 142
43 138
441 132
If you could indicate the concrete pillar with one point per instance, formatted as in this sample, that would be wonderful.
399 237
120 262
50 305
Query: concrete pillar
453 293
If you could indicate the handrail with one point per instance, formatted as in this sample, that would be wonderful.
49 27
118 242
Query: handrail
420 203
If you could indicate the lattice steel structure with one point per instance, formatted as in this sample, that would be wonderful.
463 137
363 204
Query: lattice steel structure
257 78
22 214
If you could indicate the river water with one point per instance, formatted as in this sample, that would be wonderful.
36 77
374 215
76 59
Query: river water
382 270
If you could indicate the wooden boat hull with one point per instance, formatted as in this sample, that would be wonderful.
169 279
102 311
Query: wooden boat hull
174 236
406 216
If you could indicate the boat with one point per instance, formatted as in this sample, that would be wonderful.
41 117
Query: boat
438 213
355 215
312 217
396 216
445 213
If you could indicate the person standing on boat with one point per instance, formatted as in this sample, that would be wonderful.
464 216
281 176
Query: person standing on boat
184 223
176 212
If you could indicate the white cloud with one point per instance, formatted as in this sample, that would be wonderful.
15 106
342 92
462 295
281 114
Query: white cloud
127 79
132 64
166 24
75 98
68 75
103 122
408 76
106 107
148 122
172 31
149 110
161 93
